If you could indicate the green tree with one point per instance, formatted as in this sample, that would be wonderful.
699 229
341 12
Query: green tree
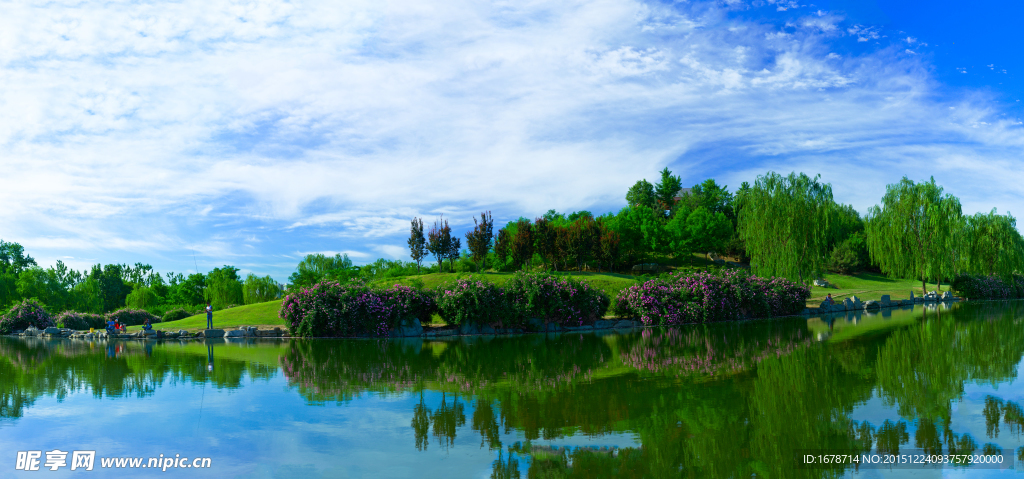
711 196
479 239
417 242
909 234
113 288
698 231
785 222
502 246
223 288
522 243
665 190
317 267
257 289
641 194
545 238
992 244
141 297
439 241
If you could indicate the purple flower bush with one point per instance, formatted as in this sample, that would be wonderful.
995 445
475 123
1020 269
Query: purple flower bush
988 287
562 300
79 321
333 309
475 302
24 314
132 317
727 295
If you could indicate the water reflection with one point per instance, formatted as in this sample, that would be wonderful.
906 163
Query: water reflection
722 400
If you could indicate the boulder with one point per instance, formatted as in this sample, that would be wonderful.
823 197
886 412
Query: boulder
535 324
885 301
848 304
182 333
622 324
946 296
213 333
872 305
487 329
821 283
857 305
469 328
603 324
52 330
236 333
412 328
585 327
553 327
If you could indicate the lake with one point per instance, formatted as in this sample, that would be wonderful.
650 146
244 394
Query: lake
745 399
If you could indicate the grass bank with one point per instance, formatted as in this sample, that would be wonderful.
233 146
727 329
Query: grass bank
868 286
263 315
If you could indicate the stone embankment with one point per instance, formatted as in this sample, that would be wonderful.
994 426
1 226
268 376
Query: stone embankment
855 304
412 328
242 332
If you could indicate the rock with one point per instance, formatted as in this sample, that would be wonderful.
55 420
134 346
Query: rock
171 335
719 261
885 301
585 327
412 328
911 295
872 305
469 328
535 324
487 329
857 306
446 332
236 333
625 323
52 330
89 336
946 296
277 331
553 327
848 304
149 333
821 283
213 333
603 324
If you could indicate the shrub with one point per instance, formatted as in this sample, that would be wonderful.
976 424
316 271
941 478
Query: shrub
704 297
24 314
175 315
563 300
988 287
132 317
330 309
79 321
474 302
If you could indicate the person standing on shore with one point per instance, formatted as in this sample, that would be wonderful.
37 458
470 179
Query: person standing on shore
209 316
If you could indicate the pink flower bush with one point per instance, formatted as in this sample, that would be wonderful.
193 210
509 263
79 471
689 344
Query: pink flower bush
558 299
705 297
332 309
132 317
989 287
24 314
79 321
474 302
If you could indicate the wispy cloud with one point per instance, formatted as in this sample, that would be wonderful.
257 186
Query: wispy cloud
134 129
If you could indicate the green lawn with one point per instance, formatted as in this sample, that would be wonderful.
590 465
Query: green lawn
263 315
868 286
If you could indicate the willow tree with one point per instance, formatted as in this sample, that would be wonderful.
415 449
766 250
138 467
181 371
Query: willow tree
913 232
785 222
992 244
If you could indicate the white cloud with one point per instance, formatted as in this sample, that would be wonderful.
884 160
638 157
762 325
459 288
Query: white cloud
142 128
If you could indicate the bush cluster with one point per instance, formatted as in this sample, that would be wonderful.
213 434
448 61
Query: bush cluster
80 321
24 314
988 287
175 315
473 302
726 295
132 317
559 299
333 309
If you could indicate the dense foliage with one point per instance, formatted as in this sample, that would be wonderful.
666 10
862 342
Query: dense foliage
988 287
24 314
260 290
175 315
705 297
332 309
474 301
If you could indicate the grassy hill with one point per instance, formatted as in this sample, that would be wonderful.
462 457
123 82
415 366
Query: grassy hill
868 286
263 315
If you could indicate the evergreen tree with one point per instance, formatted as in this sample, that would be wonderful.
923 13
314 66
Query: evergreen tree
666 189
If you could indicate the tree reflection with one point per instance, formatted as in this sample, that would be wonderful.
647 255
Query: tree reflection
421 424
447 419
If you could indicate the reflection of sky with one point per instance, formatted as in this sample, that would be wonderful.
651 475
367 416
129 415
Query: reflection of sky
264 429
967 417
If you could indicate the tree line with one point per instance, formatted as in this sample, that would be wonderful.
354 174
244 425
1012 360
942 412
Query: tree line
106 288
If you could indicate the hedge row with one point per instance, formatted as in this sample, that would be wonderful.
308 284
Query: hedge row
988 287
331 308
727 295
30 313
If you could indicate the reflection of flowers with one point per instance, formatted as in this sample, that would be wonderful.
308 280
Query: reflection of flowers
696 353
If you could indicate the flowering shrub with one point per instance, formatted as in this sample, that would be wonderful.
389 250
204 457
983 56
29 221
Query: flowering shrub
474 301
704 297
132 317
988 287
24 314
562 300
79 321
335 309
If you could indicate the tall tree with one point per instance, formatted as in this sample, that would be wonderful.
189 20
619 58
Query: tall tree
260 290
223 287
479 240
785 222
699 230
317 267
545 237
993 245
909 234
665 190
454 245
502 246
641 194
608 251
439 240
522 244
417 242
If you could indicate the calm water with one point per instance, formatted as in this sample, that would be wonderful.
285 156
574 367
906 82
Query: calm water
731 400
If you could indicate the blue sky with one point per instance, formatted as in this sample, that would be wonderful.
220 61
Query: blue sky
256 132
